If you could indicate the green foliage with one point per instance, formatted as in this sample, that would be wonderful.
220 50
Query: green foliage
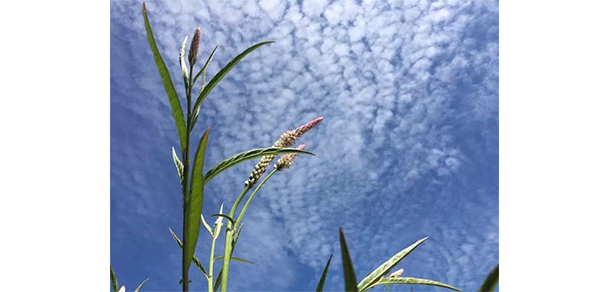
387 266
195 259
247 155
235 259
115 282
410 281
320 286
349 275
194 204
168 85
140 286
492 280
220 75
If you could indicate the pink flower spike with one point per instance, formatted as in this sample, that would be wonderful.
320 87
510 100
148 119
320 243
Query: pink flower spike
305 128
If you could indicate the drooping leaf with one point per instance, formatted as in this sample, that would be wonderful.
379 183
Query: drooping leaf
207 226
250 154
195 259
194 204
235 259
140 286
223 72
349 274
320 286
224 216
115 282
490 283
410 281
168 85
374 276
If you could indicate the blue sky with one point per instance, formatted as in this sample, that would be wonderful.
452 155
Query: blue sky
408 147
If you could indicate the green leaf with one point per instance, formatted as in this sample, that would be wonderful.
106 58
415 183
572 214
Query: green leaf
179 165
410 281
374 276
348 269
185 74
194 204
174 102
140 286
217 282
250 154
225 216
320 286
195 259
202 71
235 259
223 72
490 283
115 282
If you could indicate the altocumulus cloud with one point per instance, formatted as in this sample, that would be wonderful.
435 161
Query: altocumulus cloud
408 147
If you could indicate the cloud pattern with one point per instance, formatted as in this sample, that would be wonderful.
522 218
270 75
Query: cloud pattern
408 147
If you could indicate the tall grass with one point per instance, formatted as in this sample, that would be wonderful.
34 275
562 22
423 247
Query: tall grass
193 179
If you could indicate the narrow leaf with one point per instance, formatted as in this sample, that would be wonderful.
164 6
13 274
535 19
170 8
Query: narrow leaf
217 282
194 204
185 74
140 286
224 71
320 286
179 165
203 73
235 259
250 154
207 226
374 276
348 269
195 259
115 282
174 102
410 281
491 281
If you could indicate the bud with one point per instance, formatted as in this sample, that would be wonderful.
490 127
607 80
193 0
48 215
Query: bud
397 273
287 160
287 139
194 47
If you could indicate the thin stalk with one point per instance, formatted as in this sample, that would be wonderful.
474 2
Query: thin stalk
243 210
211 267
185 186
229 242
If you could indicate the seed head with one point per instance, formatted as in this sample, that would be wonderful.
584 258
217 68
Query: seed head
194 47
287 160
287 139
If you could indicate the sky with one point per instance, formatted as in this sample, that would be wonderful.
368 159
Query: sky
408 147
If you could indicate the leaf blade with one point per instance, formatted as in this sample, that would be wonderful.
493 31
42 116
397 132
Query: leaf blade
194 203
384 268
224 71
320 286
115 282
140 286
491 281
349 274
235 259
247 155
166 79
195 259
411 281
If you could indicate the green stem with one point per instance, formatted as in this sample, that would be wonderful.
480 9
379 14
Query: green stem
229 243
211 267
243 210
185 188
